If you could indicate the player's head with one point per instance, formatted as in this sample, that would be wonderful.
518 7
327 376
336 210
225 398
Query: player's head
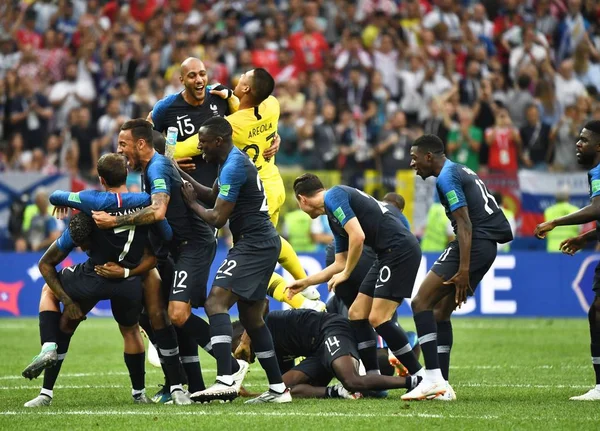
395 199
424 152
588 145
214 139
257 84
159 141
194 78
112 170
135 138
81 227
309 192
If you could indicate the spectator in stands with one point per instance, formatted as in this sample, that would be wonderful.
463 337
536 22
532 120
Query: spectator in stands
464 140
531 51
568 88
288 151
30 114
551 110
40 228
83 142
309 46
321 232
519 100
561 208
385 61
587 73
438 230
504 144
393 150
297 230
326 138
535 136
469 85
562 137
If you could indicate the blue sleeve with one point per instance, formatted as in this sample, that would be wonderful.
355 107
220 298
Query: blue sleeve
341 243
231 179
404 221
159 177
65 242
51 224
595 182
164 229
450 186
133 200
337 201
159 113
84 201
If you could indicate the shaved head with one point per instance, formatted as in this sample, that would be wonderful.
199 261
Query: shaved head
191 63
194 79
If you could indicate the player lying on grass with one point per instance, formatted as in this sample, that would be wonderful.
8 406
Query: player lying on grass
79 288
238 197
329 347
357 219
588 155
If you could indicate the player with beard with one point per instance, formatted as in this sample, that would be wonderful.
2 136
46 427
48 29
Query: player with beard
588 155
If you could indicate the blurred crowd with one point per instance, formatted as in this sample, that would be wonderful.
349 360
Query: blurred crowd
507 84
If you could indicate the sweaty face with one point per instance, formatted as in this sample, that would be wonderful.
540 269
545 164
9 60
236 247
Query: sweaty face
208 145
194 79
128 148
587 147
420 162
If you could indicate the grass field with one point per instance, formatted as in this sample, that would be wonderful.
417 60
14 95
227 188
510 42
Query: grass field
508 374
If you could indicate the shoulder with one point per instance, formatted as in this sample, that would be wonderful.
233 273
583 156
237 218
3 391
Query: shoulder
335 194
271 104
594 173
163 104
158 165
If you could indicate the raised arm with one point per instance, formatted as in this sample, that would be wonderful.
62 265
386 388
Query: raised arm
585 215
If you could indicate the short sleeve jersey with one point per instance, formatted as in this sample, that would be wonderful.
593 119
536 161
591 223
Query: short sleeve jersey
594 184
239 183
459 186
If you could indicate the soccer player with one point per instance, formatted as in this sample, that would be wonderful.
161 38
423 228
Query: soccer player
357 219
242 278
479 224
254 130
192 248
588 155
327 343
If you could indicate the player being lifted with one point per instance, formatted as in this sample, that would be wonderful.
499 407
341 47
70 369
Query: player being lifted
479 224
242 278
254 126
357 219
588 155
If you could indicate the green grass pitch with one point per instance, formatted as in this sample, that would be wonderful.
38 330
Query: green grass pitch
509 374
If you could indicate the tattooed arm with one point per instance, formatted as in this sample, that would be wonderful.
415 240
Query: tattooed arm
154 213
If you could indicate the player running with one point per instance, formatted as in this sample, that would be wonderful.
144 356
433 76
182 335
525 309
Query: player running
357 219
327 342
193 246
254 130
479 224
242 278
588 155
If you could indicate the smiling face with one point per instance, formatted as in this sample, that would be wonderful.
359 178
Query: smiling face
587 147
421 162
128 147
209 145
194 78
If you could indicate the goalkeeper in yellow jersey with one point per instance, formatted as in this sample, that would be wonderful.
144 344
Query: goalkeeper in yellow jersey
254 130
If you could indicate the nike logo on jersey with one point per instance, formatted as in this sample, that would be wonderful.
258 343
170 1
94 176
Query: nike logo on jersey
377 286
183 116
218 277
335 351
177 291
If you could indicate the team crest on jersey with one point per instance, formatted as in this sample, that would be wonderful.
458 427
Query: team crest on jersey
215 110
595 186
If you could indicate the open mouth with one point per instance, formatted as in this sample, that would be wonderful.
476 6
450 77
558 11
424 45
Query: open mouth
199 89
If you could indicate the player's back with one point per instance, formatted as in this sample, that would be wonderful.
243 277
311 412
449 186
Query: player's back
162 176
250 216
464 187
296 332
253 132
381 226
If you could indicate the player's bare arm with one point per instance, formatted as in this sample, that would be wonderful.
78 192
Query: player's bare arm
585 215
323 276
356 239
205 194
47 267
572 245
216 216
464 232
114 270
154 213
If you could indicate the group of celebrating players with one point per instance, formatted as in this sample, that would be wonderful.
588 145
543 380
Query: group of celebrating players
150 253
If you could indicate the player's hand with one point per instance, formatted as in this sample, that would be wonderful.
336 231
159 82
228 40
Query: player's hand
110 270
186 164
572 245
221 91
272 150
462 286
73 311
294 288
60 213
244 352
104 220
188 192
543 228
336 280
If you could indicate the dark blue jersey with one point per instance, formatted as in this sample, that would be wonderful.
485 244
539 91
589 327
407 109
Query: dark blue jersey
594 184
394 210
161 176
174 111
239 183
123 245
459 186
382 227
